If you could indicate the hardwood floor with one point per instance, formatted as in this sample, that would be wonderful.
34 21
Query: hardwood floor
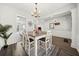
61 47
64 47
13 50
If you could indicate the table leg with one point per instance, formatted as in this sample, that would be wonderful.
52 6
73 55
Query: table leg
35 47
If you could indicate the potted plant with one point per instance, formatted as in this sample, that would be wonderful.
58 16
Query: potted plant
3 33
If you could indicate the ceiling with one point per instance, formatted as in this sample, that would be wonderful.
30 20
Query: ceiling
45 8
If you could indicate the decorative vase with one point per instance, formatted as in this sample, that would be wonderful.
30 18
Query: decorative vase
5 46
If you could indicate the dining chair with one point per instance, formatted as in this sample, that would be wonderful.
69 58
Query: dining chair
46 43
28 43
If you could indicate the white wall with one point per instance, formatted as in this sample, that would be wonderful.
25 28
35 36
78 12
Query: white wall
66 23
78 26
76 43
65 27
8 15
62 30
74 27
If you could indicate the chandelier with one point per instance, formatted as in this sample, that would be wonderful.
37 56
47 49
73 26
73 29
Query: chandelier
35 12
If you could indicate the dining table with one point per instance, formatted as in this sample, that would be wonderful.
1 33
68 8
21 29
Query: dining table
36 37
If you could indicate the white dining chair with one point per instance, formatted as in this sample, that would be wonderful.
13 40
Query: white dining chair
46 43
23 35
28 43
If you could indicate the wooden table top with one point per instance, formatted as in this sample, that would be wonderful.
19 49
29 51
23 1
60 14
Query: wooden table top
31 33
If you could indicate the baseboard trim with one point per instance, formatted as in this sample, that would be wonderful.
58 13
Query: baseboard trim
62 37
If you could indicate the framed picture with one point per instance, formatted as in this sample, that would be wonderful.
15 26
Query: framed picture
51 25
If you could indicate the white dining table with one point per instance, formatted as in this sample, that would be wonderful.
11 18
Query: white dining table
36 38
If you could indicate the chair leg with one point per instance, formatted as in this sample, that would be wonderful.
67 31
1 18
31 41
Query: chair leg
29 50
46 48
40 43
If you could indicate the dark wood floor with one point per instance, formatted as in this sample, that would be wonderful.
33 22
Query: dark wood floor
13 50
61 48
